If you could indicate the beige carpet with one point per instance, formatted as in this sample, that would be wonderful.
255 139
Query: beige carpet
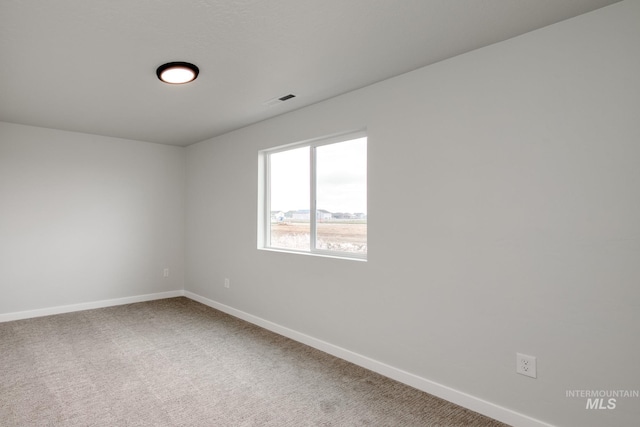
176 362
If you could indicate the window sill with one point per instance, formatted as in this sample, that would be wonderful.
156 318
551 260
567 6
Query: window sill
321 254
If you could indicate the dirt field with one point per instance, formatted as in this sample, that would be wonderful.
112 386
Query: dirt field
347 237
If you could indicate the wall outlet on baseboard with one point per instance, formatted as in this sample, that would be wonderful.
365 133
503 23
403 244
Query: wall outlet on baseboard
227 282
526 365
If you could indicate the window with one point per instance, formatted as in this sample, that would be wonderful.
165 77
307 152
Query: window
314 197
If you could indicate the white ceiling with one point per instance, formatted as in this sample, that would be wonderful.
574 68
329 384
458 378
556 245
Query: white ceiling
89 65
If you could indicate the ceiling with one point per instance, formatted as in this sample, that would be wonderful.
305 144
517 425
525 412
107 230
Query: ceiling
89 66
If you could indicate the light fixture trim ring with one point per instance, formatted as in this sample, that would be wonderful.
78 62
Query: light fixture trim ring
176 65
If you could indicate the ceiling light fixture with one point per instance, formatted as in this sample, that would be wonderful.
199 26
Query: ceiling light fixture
177 73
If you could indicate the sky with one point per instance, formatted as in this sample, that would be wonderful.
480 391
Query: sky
341 178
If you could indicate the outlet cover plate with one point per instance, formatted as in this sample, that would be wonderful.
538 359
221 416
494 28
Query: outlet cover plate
526 365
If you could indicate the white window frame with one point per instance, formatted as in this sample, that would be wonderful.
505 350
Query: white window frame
264 208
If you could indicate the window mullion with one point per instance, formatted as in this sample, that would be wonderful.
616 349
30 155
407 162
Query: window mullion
312 211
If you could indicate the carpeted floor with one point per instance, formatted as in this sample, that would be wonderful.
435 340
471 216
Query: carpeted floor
176 362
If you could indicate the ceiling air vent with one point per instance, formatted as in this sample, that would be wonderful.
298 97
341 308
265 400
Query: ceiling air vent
276 101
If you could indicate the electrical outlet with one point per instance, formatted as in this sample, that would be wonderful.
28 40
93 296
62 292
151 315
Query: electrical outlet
227 282
526 365
165 273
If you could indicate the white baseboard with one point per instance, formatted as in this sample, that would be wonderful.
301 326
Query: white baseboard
455 396
87 306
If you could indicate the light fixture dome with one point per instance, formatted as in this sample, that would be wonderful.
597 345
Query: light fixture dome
177 72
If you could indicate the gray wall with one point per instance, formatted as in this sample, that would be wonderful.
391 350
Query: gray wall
504 217
85 218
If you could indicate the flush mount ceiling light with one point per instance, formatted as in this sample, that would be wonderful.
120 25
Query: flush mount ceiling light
177 73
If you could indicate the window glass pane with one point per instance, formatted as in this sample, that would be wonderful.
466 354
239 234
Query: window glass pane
341 196
289 199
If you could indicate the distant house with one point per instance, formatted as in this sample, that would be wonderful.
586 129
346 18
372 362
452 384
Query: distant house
322 214
347 215
302 214
343 215
277 216
305 214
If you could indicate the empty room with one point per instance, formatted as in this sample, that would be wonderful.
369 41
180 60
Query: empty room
320 213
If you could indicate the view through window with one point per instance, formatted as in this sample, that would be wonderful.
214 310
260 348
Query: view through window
316 197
